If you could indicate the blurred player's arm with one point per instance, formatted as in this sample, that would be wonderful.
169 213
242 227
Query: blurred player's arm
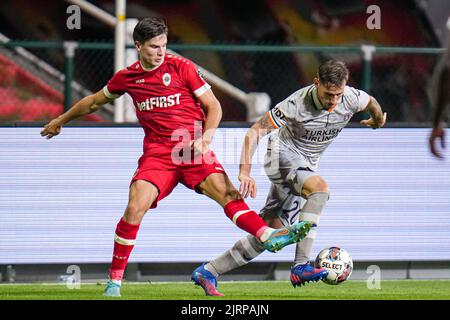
213 113
442 99
257 131
443 95
442 73
87 105
442 78
377 117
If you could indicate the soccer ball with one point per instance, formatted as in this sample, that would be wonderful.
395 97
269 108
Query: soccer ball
338 263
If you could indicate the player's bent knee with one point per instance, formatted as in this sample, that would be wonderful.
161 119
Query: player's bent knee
318 184
135 212
232 195
315 184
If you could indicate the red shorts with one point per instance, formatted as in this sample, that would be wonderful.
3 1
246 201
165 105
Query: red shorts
160 168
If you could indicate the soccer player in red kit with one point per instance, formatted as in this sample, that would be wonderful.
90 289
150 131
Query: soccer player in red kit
179 114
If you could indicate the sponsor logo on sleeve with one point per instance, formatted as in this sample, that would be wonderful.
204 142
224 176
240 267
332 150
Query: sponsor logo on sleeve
200 74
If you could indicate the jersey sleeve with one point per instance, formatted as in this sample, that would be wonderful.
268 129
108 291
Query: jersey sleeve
359 99
116 86
193 78
282 113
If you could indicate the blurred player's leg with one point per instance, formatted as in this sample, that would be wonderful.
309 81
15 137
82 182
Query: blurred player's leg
142 195
440 97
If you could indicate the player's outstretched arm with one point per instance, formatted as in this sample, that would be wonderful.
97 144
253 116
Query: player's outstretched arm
83 107
377 117
261 128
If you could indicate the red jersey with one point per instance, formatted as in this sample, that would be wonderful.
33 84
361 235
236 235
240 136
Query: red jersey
165 98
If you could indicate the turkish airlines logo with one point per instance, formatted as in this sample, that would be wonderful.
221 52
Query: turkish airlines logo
166 79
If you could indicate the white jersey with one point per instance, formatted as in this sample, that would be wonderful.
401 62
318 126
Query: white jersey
306 129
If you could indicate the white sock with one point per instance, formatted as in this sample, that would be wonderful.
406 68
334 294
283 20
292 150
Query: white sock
211 269
242 252
266 234
119 282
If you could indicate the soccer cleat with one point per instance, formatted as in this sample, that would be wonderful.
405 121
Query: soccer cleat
285 236
305 273
206 280
112 289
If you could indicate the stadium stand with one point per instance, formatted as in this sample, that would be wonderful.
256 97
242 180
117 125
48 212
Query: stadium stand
26 97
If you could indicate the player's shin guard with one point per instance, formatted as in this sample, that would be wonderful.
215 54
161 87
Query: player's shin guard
244 218
124 241
243 251
310 212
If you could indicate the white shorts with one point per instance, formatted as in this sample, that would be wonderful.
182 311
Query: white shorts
288 172
282 204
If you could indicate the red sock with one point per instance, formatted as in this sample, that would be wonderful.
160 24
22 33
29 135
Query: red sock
244 218
124 240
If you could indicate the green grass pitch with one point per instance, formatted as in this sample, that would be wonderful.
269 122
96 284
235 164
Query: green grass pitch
251 290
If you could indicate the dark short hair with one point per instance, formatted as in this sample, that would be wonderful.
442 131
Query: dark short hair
333 72
149 28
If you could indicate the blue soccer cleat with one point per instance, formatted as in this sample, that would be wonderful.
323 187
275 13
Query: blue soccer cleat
206 280
112 289
305 273
285 236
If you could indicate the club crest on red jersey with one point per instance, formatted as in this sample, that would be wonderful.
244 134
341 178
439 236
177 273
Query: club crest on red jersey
166 79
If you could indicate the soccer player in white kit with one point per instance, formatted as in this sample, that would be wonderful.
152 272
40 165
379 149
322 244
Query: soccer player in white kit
303 126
